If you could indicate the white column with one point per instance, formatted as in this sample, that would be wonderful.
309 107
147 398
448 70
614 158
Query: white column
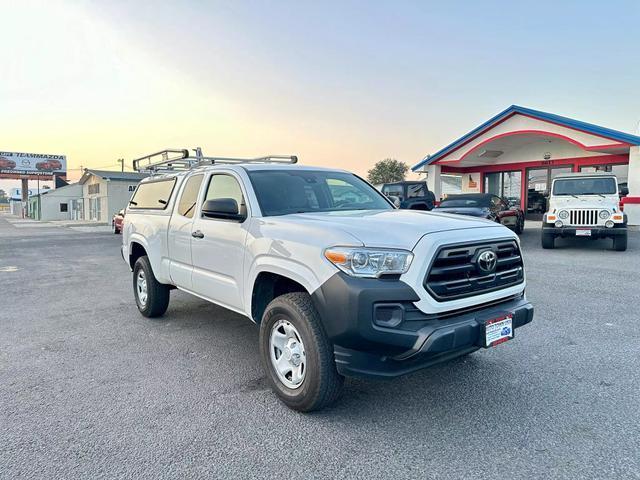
633 209
433 180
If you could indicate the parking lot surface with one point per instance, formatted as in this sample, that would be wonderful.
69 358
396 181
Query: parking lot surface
91 389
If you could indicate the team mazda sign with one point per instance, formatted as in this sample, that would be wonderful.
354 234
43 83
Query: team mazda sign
17 164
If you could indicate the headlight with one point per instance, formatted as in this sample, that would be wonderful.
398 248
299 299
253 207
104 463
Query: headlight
563 214
369 262
604 214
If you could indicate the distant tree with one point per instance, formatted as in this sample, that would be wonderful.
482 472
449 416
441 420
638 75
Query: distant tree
387 171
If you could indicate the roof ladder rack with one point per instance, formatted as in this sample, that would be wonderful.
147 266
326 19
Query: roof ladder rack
204 160
179 160
170 159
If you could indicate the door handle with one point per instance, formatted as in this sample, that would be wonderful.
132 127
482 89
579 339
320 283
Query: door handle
197 234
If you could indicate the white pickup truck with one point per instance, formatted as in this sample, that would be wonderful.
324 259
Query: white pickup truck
340 282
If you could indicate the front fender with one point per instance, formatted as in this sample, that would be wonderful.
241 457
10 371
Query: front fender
311 277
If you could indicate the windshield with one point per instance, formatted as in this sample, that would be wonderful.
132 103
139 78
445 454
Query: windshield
585 186
280 192
469 202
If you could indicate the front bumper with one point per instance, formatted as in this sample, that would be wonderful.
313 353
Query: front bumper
370 342
596 232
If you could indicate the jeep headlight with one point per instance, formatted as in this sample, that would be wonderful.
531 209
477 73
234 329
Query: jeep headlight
369 262
563 214
604 214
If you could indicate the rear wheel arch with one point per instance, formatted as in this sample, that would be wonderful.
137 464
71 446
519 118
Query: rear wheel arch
136 250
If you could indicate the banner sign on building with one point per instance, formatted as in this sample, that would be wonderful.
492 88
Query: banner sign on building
18 165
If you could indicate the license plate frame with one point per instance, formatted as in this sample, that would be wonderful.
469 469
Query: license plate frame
498 330
583 232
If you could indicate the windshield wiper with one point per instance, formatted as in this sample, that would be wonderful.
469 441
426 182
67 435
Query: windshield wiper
594 193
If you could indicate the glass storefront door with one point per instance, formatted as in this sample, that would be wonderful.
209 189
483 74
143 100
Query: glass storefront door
506 185
538 187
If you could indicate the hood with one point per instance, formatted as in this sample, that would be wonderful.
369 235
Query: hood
384 228
473 211
584 201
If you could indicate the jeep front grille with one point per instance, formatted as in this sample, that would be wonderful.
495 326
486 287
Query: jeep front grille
583 216
457 273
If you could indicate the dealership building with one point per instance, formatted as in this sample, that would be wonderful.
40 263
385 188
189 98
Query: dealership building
517 153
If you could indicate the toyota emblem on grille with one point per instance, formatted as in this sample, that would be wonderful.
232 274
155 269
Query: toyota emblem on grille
487 261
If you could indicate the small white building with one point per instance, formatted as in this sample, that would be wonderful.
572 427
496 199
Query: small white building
105 193
56 204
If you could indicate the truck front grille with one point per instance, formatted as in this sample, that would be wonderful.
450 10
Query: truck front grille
458 270
583 216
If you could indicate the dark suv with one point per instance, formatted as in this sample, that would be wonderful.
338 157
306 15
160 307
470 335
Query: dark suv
410 195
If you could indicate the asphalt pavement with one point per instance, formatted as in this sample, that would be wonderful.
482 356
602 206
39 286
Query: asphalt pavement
91 389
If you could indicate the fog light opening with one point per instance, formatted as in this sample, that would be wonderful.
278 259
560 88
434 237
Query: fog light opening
609 224
388 314
559 223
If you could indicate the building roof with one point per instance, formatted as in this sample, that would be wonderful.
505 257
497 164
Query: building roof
544 116
112 175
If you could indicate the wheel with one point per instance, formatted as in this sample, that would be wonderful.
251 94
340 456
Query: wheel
520 226
548 240
620 243
297 355
116 231
152 297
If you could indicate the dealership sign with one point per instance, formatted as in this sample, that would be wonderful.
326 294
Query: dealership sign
16 164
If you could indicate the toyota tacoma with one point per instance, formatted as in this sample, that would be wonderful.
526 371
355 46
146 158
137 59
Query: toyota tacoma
340 282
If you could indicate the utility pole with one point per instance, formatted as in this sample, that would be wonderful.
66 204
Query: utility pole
121 161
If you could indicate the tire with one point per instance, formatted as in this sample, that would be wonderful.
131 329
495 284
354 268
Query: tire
620 243
520 226
115 230
157 294
295 316
548 240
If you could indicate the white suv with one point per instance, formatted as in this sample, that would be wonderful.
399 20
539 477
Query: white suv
585 205
339 281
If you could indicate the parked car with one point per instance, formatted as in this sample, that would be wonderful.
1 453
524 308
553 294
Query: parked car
5 163
484 205
340 282
410 195
585 205
116 222
49 165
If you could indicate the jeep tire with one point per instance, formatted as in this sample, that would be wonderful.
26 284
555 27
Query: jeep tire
295 314
152 297
620 243
548 240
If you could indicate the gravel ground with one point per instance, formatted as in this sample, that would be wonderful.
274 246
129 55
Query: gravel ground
91 389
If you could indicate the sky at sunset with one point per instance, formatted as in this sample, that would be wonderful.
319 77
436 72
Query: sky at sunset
341 84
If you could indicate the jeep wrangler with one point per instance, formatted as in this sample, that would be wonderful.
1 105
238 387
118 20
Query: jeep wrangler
585 205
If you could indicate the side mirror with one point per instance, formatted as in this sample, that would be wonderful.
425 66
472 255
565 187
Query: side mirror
624 191
223 208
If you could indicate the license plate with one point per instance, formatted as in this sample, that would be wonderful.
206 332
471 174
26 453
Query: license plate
581 232
498 330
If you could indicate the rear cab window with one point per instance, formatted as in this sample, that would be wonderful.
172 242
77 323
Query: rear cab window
189 197
153 195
